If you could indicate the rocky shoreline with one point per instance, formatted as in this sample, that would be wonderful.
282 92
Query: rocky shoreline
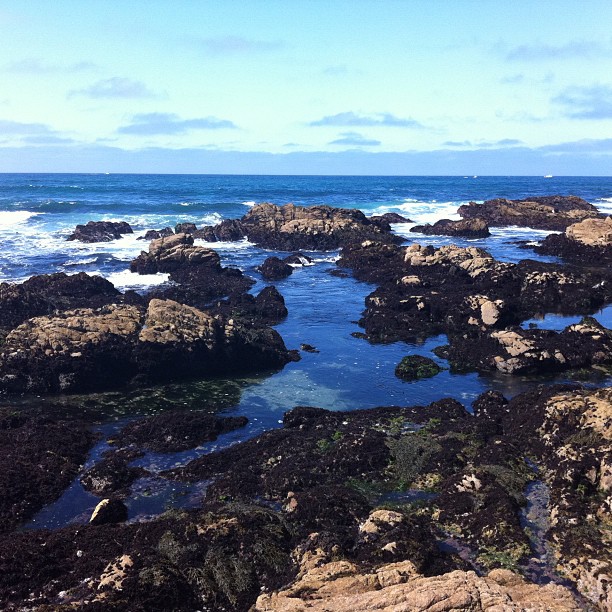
411 508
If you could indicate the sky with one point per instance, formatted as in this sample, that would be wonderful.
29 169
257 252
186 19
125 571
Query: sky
408 87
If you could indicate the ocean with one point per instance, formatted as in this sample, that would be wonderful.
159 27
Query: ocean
39 211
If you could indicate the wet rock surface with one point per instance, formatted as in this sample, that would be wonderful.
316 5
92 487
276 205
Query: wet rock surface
274 268
415 367
100 231
467 228
478 303
41 455
545 212
292 228
297 515
87 349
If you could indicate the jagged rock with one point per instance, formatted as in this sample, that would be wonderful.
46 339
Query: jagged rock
291 228
185 228
543 212
467 228
89 349
586 243
298 259
266 308
390 217
100 231
274 268
172 253
47 293
339 586
109 511
155 234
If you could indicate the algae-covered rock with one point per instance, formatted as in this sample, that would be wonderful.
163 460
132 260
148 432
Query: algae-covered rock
415 367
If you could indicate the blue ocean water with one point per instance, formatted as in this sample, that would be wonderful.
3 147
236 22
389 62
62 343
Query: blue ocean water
39 211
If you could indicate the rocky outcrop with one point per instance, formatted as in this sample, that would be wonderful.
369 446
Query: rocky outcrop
155 234
339 586
390 217
543 212
86 349
587 243
48 293
173 253
424 291
291 228
100 231
467 228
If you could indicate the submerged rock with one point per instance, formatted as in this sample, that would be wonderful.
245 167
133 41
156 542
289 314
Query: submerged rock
415 367
100 231
467 228
274 268
543 212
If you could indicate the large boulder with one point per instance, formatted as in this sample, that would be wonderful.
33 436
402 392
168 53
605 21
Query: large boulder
47 293
100 231
542 212
87 349
274 268
291 228
467 228
173 252
586 243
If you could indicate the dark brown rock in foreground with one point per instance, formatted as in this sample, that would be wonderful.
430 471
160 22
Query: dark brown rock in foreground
100 231
553 213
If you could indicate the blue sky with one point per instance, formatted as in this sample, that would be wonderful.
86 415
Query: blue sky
348 87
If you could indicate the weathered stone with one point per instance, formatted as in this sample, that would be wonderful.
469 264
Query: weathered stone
274 268
466 228
100 231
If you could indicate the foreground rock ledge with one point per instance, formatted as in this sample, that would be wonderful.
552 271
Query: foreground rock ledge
94 349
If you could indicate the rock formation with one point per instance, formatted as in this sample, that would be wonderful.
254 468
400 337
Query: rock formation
100 231
467 228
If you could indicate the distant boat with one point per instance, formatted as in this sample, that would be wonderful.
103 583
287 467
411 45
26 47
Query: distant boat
548 176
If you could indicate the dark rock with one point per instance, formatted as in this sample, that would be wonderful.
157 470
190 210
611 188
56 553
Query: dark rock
415 367
274 268
47 293
40 455
116 345
467 228
113 474
156 234
205 233
543 212
100 231
298 259
176 431
109 511
390 217
185 228
308 348
267 308
290 227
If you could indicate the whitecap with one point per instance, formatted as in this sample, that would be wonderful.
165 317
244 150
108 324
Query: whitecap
80 262
131 280
238 245
11 218
249 203
604 205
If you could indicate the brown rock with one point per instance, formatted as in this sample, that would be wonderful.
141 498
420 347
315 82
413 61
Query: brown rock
592 232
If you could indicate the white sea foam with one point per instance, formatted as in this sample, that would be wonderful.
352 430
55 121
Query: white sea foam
80 262
422 212
238 245
131 280
604 205
249 203
12 218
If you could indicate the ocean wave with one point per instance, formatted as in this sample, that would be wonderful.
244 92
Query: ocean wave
237 245
80 262
125 279
420 211
604 205
11 218
249 203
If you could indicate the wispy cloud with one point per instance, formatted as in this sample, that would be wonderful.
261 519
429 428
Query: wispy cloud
34 65
585 145
355 139
351 119
577 49
484 144
594 102
17 128
115 87
237 45
149 124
